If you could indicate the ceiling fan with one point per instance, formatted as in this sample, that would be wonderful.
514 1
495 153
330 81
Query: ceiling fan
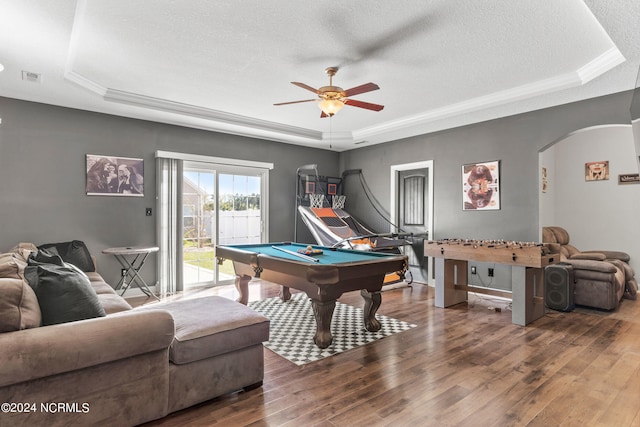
332 98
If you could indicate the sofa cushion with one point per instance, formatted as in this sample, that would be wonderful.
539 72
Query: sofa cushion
12 266
110 300
19 307
113 303
210 326
64 292
24 250
95 277
74 252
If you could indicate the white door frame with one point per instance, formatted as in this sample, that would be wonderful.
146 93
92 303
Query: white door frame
426 164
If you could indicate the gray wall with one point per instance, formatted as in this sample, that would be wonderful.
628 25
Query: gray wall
42 176
515 141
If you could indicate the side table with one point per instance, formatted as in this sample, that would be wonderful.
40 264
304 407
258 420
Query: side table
132 258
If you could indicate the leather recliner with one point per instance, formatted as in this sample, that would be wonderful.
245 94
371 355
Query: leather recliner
602 277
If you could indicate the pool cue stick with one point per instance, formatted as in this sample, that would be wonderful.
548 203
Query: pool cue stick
299 255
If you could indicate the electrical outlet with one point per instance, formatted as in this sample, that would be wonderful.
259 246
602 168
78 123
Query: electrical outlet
148 212
474 270
123 272
490 272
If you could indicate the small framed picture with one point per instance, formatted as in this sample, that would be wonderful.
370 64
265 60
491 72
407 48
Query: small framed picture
545 180
114 176
596 171
629 178
481 186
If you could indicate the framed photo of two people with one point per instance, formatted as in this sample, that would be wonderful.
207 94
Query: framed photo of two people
114 176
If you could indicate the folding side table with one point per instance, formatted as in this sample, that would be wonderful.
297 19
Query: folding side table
132 259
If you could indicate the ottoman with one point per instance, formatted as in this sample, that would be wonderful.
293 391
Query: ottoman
217 349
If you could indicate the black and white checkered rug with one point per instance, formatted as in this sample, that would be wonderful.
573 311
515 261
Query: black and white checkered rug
293 326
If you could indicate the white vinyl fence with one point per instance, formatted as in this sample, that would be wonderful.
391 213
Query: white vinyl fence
238 227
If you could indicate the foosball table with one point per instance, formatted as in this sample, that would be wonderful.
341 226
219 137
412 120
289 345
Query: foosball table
527 261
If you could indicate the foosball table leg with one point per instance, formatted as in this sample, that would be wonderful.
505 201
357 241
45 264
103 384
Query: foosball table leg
527 294
449 274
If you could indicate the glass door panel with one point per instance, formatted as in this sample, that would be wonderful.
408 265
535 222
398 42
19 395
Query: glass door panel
221 205
198 212
240 213
240 216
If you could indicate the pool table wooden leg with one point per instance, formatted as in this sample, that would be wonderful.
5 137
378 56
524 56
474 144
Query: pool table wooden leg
323 311
372 302
285 293
242 285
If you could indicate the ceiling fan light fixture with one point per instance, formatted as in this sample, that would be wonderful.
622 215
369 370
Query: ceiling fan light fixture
330 106
332 98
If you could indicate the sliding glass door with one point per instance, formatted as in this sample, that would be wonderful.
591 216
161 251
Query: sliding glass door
220 205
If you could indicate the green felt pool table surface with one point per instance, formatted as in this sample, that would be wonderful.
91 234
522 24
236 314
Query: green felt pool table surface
329 255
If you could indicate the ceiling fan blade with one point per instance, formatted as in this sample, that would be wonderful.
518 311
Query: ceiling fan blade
295 102
367 87
365 105
304 86
323 115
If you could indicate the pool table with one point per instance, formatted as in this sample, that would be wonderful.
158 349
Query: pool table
336 271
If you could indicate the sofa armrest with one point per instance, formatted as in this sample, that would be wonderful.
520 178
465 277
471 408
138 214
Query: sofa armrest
49 350
595 256
593 265
622 256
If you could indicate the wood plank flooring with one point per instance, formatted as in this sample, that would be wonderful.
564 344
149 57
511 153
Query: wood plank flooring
463 366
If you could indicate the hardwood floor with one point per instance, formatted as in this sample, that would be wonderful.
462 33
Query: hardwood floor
462 366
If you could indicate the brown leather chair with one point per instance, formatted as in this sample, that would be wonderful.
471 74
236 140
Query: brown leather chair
603 277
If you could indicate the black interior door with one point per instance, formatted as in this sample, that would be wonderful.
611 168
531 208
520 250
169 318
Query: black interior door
413 196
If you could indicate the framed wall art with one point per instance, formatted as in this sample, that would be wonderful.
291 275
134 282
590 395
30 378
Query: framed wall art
114 176
545 180
596 171
481 186
629 178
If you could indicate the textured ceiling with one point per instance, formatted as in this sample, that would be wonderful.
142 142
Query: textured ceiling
222 65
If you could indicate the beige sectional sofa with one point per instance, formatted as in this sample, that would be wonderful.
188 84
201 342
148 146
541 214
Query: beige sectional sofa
123 366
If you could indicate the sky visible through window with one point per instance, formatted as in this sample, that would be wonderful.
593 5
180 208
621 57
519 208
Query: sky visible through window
229 184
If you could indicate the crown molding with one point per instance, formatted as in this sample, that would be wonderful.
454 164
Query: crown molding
600 65
122 97
339 138
84 82
158 104
594 68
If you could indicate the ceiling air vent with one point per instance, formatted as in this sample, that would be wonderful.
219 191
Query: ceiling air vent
31 77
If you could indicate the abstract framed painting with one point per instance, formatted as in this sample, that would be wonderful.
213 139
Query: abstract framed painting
481 186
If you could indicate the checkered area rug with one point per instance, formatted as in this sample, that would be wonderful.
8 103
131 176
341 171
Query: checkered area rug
293 326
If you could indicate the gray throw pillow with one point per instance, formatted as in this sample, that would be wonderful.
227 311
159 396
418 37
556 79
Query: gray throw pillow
64 292
74 252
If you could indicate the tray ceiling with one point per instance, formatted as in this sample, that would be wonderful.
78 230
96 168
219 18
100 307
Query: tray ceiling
222 65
